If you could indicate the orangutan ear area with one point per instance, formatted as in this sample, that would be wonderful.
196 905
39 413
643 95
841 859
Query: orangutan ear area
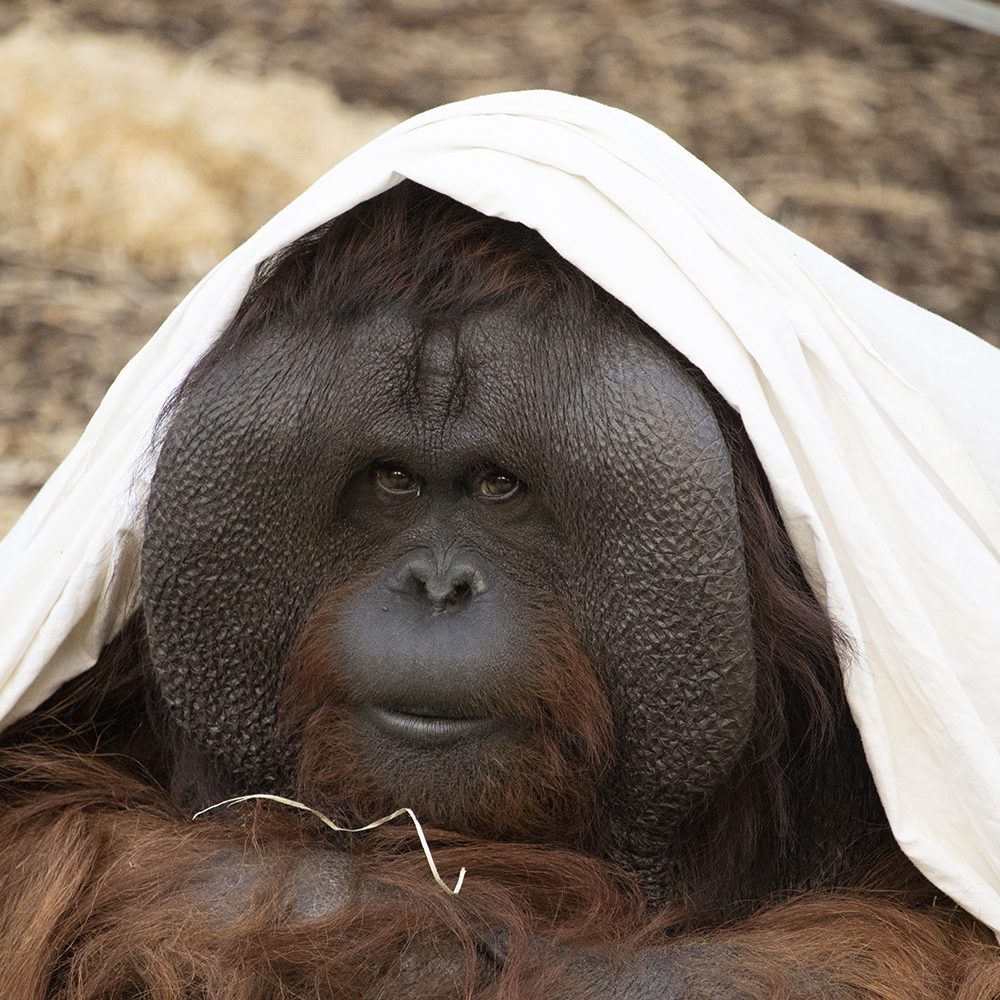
558 831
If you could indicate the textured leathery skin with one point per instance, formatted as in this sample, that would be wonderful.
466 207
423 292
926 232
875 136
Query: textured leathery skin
258 507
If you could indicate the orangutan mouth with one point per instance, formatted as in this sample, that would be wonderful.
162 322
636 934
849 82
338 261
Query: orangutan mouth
427 730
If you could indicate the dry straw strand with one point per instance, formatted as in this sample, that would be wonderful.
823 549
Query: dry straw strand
281 800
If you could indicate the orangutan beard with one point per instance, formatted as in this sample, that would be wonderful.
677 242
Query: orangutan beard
535 776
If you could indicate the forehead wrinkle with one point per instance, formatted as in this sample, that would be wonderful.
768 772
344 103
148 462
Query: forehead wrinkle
439 393
423 388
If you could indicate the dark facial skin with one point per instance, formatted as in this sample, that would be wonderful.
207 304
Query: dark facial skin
444 476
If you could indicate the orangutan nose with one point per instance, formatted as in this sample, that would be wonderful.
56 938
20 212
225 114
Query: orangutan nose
446 586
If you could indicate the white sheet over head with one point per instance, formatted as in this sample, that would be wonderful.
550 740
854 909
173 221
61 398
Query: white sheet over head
872 418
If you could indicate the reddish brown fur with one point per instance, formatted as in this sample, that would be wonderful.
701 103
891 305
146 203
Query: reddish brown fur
99 901
100 898
546 790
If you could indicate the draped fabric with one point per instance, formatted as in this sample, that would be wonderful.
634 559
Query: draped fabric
872 418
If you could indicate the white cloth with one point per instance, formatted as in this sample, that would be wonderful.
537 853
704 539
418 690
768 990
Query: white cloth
872 418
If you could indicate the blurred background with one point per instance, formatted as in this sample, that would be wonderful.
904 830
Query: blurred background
140 140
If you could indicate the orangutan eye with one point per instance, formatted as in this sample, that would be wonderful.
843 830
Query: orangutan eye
497 485
395 479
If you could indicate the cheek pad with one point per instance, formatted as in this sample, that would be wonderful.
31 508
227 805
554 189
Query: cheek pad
673 617
235 554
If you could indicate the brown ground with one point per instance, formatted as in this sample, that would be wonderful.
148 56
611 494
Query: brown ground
868 128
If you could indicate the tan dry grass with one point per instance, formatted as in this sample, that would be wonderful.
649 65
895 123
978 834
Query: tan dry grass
119 152
126 170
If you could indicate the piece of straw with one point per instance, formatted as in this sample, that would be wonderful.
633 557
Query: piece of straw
344 829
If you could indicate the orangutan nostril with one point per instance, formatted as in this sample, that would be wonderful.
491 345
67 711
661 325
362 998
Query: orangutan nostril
445 588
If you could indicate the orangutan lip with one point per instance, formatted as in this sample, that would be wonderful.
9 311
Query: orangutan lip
427 730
